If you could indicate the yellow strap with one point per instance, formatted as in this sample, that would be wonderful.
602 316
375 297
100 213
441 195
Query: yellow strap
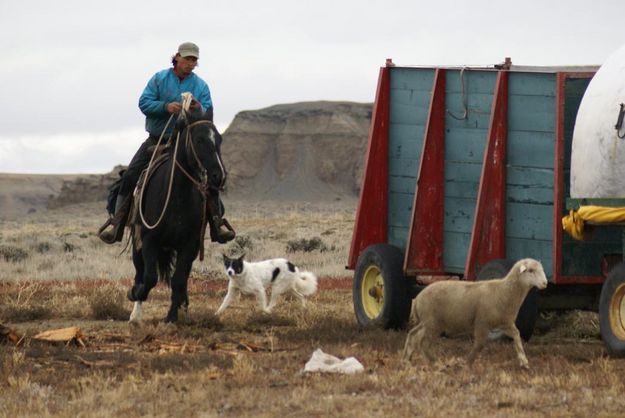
574 222
601 215
573 225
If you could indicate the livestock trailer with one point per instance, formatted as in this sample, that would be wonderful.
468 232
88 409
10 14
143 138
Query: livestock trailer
467 170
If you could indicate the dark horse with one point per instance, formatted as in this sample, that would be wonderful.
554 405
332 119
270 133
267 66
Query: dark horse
169 233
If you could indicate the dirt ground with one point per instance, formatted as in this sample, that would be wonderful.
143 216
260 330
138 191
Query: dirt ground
55 273
249 364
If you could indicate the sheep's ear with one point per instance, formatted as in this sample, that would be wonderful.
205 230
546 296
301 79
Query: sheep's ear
523 268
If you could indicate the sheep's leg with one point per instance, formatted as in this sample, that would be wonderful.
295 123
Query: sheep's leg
425 338
480 336
513 332
411 343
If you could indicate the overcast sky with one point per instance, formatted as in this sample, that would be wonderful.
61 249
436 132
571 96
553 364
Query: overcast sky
72 71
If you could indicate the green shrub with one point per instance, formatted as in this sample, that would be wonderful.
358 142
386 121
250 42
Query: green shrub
13 254
244 242
108 302
43 247
24 312
306 245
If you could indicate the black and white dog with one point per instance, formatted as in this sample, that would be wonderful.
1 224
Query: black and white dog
254 277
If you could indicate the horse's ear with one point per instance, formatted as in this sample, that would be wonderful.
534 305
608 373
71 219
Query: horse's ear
209 114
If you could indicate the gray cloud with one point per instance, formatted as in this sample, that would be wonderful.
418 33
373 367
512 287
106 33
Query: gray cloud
76 69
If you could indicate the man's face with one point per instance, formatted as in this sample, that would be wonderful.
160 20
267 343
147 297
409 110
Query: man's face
185 65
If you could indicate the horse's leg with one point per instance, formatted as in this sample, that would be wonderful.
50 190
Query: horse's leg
137 259
184 261
137 313
149 253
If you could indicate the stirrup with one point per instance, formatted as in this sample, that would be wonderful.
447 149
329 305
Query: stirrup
111 237
229 227
224 222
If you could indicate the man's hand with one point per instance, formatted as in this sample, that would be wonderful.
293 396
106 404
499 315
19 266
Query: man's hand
174 107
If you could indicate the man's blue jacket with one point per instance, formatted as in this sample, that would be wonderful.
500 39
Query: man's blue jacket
165 87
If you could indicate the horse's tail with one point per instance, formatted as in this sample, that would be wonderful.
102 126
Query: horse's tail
166 260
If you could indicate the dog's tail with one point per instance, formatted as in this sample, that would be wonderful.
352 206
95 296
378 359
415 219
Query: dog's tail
306 283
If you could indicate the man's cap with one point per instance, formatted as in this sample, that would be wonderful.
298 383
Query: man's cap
189 49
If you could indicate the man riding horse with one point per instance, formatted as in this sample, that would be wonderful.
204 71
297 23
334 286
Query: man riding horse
158 102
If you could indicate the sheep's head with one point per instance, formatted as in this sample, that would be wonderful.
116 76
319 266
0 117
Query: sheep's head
530 271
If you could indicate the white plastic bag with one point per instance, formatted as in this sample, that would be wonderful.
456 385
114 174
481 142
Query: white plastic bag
322 362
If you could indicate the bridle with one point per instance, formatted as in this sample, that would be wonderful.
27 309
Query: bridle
202 184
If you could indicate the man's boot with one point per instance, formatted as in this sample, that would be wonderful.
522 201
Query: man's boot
118 221
220 228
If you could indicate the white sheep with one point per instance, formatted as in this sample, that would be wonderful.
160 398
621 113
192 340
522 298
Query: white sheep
457 307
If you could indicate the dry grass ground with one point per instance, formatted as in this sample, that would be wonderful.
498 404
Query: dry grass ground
62 244
249 364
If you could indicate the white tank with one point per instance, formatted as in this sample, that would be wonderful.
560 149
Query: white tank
598 154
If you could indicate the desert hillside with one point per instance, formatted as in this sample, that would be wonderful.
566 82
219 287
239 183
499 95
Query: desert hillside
28 193
311 151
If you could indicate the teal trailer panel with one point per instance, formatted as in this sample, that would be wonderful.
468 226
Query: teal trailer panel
537 111
410 94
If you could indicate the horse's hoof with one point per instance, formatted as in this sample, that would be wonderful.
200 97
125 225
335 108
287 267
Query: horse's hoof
170 319
135 319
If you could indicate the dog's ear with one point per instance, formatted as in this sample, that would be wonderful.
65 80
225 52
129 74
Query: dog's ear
225 257
242 257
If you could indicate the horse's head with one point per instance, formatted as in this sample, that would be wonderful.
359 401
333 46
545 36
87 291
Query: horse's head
201 143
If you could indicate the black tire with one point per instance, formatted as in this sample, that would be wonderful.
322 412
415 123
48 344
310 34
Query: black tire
528 313
381 292
612 311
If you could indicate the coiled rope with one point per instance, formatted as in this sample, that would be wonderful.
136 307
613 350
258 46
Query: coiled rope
187 98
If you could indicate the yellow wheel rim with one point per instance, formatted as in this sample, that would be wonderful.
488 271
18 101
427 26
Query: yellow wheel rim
372 292
617 312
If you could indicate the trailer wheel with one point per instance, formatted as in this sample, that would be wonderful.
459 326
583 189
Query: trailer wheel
380 290
612 311
528 313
